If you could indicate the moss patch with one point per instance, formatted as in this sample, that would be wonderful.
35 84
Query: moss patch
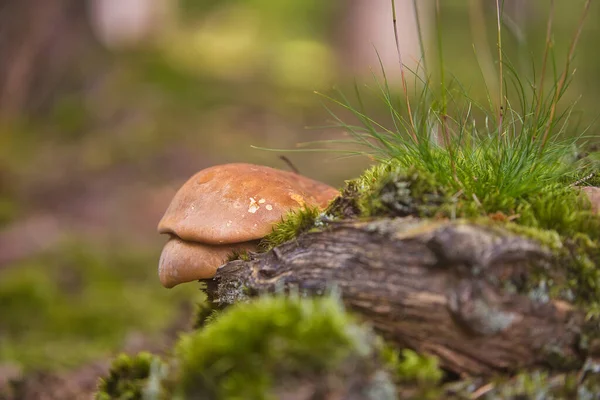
78 303
204 313
127 378
412 367
389 189
540 385
254 345
292 225
238 255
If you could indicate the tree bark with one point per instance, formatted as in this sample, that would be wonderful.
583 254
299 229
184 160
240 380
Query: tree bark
445 288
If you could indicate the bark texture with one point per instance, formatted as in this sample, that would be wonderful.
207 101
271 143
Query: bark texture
448 289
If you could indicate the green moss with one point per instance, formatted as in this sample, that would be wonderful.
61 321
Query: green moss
529 385
574 276
418 376
409 366
245 353
548 238
204 313
127 378
390 189
400 192
238 255
293 224
535 385
354 197
78 303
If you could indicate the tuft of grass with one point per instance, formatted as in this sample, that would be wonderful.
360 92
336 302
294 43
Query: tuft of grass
392 189
499 153
477 160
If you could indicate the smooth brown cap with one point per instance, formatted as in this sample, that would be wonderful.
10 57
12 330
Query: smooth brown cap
234 203
182 261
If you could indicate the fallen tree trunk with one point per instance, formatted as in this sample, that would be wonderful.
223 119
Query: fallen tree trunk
453 290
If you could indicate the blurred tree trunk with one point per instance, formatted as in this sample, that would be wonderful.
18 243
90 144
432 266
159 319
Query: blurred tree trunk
46 48
367 29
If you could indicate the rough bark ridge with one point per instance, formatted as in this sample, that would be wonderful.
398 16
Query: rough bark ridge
443 288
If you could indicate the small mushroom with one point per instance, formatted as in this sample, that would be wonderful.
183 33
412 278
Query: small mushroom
226 208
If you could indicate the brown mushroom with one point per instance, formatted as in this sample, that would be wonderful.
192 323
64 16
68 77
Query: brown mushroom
229 207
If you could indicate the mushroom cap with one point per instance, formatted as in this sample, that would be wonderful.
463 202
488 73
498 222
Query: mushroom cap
235 203
182 261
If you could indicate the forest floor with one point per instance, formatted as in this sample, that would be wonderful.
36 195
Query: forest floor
78 227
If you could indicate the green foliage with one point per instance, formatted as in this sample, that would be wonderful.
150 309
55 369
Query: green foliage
291 225
513 175
526 385
413 367
127 377
530 385
250 346
400 192
67 306
535 385
204 314
583 274
393 190
238 255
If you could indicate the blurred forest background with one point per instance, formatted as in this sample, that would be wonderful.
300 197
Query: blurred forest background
108 106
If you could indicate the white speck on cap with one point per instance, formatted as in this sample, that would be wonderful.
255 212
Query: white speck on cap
269 207
261 201
253 207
